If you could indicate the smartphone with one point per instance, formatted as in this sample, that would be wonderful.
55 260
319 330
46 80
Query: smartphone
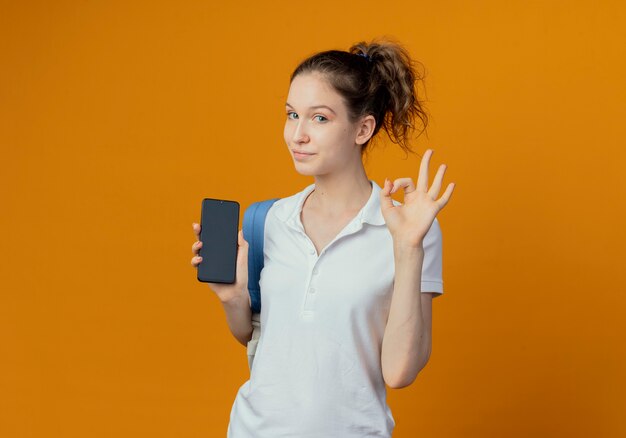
219 227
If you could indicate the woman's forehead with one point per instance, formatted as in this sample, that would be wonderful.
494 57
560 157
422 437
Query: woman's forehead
311 90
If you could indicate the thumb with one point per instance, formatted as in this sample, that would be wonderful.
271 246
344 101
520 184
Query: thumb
242 258
386 201
242 250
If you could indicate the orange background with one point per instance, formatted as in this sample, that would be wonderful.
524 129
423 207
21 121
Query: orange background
117 118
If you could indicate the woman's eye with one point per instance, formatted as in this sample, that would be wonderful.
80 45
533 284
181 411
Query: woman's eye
290 114
320 118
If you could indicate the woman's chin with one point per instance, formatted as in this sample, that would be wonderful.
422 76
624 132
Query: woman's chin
303 169
305 172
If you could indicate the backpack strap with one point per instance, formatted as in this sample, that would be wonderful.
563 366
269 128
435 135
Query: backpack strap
253 232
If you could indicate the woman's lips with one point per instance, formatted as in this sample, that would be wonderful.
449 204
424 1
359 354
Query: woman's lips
301 156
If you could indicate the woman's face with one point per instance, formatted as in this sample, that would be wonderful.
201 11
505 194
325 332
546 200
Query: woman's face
318 133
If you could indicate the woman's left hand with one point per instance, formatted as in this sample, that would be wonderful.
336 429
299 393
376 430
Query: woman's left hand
409 222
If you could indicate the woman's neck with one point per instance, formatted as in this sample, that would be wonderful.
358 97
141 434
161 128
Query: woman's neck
335 195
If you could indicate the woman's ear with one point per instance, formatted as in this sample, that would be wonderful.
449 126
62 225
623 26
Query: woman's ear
365 129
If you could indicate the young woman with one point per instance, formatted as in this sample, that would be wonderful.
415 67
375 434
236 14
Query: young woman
349 272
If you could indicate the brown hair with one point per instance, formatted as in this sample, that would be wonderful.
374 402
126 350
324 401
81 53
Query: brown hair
376 78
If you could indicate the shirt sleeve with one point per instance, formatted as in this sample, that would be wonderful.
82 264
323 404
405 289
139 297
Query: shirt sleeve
432 275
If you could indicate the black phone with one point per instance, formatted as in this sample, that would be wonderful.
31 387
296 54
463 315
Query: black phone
219 227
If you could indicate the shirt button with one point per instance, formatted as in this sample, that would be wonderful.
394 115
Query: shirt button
312 290
312 251
315 271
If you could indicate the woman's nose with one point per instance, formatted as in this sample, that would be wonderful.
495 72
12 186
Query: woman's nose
299 134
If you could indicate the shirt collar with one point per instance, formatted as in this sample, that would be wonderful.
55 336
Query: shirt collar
289 211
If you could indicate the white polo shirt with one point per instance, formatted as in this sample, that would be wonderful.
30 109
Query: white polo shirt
317 369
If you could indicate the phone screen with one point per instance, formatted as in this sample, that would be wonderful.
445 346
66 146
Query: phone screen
219 226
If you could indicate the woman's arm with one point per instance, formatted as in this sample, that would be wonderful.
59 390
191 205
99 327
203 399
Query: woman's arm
407 339
234 297
239 317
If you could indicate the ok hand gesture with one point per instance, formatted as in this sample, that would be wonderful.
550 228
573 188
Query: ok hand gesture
408 223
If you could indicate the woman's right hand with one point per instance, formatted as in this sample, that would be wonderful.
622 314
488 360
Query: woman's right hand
227 292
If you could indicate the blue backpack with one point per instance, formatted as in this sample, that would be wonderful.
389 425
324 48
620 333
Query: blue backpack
253 232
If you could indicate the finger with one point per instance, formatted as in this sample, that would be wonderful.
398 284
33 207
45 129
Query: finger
196 247
386 201
242 258
241 241
196 229
443 201
242 244
422 179
433 192
195 261
407 183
